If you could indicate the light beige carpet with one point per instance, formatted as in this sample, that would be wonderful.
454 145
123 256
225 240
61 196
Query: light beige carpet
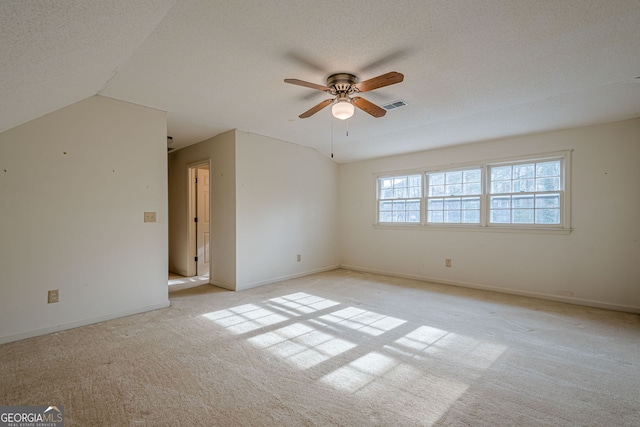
338 349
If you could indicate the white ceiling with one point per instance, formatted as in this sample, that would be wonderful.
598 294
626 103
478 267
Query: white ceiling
474 70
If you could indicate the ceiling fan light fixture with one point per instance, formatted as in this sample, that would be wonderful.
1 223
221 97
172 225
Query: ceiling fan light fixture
342 109
342 85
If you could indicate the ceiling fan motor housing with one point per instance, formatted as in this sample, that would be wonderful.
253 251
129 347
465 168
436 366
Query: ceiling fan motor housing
342 83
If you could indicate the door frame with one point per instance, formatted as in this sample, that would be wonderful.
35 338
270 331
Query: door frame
192 198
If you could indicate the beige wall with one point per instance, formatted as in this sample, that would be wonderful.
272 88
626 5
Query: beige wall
270 201
74 185
597 264
287 204
220 152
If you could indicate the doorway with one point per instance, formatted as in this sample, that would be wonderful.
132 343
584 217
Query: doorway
199 220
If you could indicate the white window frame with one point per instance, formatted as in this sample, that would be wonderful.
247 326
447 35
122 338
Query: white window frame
485 166
564 217
445 196
377 198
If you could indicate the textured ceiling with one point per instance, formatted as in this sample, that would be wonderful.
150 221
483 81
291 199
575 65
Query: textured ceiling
473 70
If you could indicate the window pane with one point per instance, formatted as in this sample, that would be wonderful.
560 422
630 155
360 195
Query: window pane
472 176
435 216
398 205
453 177
452 204
452 216
548 201
524 185
413 216
386 206
522 202
399 216
386 194
413 205
471 203
471 216
547 216
415 181
500 187
501 202
436 179
415 192
386 183
453 190
436 204
500 216
436 190
548 168
385 216
548 184
472 188
523 216
400 193
524 171
500 173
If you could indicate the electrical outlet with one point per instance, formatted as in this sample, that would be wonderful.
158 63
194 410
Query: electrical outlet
299 257
447 262
54 296
149 217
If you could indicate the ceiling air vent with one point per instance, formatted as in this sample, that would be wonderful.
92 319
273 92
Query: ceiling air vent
395 104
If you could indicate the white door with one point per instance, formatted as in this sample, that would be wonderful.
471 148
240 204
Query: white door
202 223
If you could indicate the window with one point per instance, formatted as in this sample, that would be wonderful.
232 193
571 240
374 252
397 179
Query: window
525 193
453 197
520 193
399 199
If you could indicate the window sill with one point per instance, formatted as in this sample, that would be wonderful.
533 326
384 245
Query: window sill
467 228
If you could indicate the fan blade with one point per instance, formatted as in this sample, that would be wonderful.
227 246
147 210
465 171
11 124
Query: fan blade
368 107
380 81
310 112
307 84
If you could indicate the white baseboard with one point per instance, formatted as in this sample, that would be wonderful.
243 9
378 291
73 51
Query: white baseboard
180 271
539 295
223 285
288 277
78 323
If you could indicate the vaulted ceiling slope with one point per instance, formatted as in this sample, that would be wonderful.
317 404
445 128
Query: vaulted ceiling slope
474 70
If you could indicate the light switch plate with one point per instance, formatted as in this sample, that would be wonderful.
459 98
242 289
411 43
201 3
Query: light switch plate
149 217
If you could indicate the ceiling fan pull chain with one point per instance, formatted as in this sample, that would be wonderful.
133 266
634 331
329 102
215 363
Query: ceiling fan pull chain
331 120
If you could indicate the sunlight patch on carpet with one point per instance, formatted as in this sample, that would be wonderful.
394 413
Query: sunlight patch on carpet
301 345
362 320
303 303
377 352
245 318
360 372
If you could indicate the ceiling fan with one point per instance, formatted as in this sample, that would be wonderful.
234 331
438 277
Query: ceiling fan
342 86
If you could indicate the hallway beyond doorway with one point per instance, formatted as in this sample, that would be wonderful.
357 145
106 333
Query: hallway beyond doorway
178 282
